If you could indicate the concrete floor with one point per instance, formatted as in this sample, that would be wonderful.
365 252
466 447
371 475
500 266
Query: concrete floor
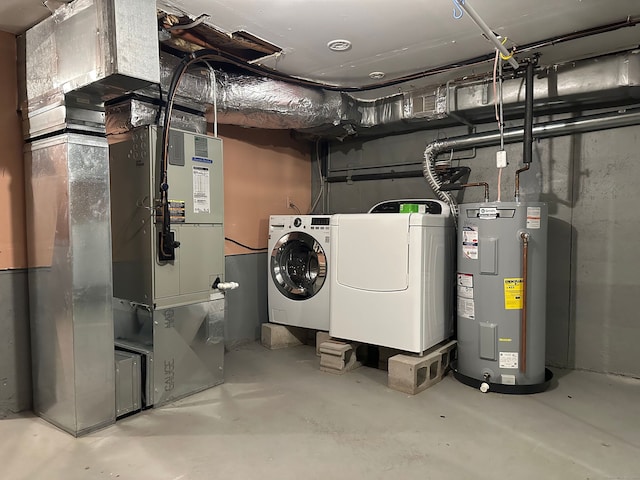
279 417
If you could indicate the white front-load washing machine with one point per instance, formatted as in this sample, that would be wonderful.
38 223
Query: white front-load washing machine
298 264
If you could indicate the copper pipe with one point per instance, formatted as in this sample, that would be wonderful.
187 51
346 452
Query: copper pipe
523 318
479 184
518 172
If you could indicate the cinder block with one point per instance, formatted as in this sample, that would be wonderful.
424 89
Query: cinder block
275 336
321 337
412 375
448 354
338 357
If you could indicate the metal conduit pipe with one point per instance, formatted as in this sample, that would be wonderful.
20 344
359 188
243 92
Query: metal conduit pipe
557 128
489 33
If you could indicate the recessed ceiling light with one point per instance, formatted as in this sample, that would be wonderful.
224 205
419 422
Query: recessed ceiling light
339 45
377 75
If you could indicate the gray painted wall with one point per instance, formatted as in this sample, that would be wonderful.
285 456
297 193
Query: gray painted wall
15 348
246 311
591 184
247 305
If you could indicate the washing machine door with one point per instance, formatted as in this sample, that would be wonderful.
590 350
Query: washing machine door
298 265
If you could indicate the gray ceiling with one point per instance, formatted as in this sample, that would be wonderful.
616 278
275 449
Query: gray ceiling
396 37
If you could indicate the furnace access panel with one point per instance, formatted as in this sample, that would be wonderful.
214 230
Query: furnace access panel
195 197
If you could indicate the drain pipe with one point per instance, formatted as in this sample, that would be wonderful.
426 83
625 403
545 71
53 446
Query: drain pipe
527 153
558 128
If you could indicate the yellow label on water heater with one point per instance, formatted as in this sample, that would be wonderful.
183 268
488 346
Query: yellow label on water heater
513 293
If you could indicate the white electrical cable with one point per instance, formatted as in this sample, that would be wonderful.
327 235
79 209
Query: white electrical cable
501 102
495 93
215 100
497 64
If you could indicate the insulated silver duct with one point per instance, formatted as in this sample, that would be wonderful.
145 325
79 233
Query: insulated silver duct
247 100
262 102
258 101
558 128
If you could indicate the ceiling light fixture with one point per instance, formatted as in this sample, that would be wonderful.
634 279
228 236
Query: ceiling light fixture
339 45
377 75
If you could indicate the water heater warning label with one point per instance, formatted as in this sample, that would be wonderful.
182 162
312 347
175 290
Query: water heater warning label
508 360
513 293
465 285
466 308
465 280
533 217
470 242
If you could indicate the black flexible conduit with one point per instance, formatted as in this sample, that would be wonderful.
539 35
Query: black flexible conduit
527 153
167 245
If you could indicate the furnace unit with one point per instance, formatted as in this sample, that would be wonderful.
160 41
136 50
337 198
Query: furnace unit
169 308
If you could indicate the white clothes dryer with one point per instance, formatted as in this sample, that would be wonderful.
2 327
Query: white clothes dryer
392 278
298 282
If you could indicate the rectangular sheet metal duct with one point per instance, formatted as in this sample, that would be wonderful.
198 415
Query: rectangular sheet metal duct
614 78
87 52
95 50
70 283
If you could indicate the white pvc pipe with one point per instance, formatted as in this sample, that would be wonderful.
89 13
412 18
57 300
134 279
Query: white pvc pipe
489 33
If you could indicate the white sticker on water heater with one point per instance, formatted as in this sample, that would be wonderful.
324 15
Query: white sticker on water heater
465 292
465 280
466 308
470 242
470 251
508 360
533 217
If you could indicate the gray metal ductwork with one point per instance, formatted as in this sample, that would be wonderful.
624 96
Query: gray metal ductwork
543 130
87 52
261 102
607 79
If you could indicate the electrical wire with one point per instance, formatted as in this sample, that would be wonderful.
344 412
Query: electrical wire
499 111
157 119
215 100
294 207
220 55
321 192
180 70
253 249
501 103
495 92
239 62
